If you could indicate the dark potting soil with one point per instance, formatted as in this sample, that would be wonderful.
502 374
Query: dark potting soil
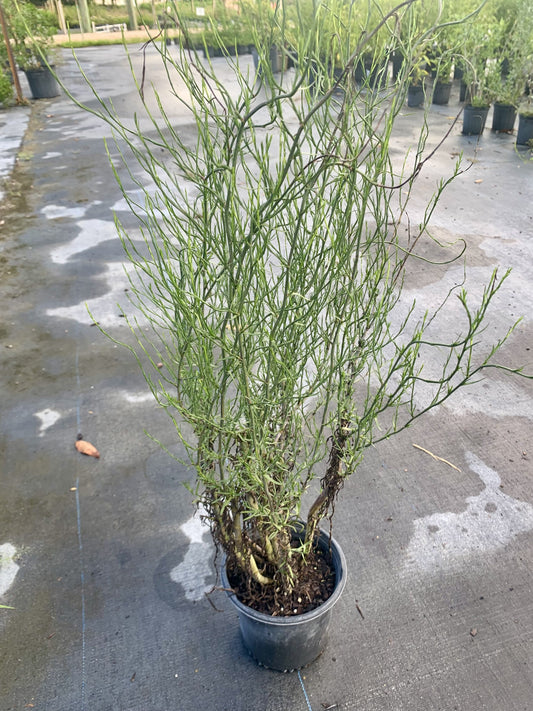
315 585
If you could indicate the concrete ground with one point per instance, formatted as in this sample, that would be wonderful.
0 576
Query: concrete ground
102 560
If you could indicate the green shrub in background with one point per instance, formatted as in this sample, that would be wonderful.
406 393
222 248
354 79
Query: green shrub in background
30 30
100 15
6 88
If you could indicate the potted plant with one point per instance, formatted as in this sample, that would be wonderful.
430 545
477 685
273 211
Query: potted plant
416 91
524 134
31 29
441 57
524 36
506 89
479 39
279 338
442 71
475 116
506 79
262 21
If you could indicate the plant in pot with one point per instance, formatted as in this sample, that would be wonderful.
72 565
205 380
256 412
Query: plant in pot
272 324
479 98
382 46
442 67
506 91
441 56
506 78
479 39
266 25
524 135
31 29
416 92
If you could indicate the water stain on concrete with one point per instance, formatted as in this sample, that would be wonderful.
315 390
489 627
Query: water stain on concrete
91 234
8 567
57 212
106 308
491 520
48 418
195 572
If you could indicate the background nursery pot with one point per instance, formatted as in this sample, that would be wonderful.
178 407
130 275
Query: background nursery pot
525 129
503 117
474 118
42 82
441 93
415 95
290 643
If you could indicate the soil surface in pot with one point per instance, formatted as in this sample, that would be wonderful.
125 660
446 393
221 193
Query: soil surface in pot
315 585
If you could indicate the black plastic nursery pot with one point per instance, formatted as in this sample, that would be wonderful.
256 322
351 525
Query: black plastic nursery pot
441 93
276 58
378 76
415 95
474 118
290 643
503 117
525 129
43 84
397 63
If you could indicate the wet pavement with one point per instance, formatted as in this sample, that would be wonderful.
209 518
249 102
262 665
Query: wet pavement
102 560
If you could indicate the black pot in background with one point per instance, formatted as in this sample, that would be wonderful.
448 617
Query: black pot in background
210 51
415 95
441 92
525 129
290 643
503 117
474 118
378 76
276 57
397 62
43 84
359 72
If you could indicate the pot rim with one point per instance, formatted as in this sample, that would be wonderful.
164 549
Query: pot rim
339 564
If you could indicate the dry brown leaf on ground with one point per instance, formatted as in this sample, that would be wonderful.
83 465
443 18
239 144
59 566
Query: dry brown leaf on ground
87 448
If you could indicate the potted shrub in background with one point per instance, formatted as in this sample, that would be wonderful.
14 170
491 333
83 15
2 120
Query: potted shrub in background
416 91
478 39
441 69
280 340
31 30
441 54
524 39
507 79
268 39
475 116
524 134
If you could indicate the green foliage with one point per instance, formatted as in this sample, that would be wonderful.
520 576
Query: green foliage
270 275
497 51
31 30
100 15
6 88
